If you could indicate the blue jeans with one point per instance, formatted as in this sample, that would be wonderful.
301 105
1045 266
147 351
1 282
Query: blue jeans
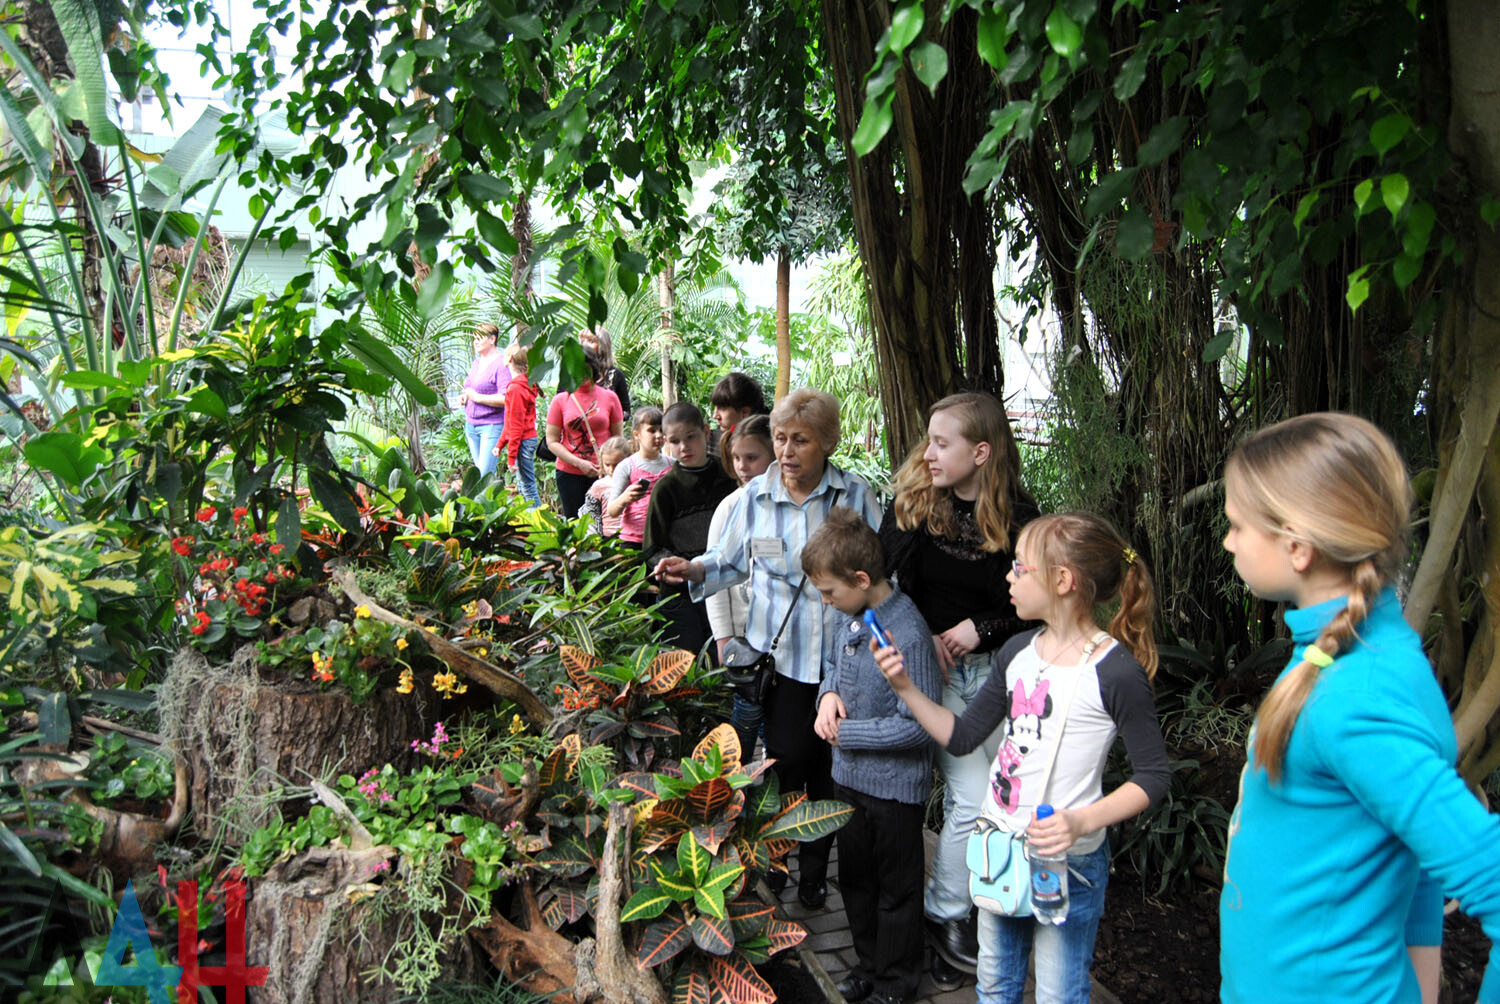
526 469
1064 952
747 719
966 784
482 440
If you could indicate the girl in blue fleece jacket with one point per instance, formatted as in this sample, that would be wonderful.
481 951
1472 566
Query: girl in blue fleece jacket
1352 821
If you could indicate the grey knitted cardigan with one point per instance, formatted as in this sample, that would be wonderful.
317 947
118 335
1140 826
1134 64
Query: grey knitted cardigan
882 750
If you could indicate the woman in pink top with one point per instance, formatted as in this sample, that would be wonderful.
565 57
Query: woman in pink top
578 422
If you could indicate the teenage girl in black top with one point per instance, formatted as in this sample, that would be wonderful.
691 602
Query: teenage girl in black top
948 538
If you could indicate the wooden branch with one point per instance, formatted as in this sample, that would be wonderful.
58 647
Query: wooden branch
536 957
359 837
96 725
620 979
500 682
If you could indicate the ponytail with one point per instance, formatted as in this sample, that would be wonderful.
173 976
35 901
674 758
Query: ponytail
1131 624
1283 703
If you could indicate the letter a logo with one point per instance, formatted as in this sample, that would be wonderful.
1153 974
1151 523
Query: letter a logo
129 931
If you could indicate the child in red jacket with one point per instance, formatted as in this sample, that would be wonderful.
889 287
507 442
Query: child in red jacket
519 436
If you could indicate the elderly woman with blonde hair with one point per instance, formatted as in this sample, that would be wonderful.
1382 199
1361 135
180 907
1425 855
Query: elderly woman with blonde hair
772 520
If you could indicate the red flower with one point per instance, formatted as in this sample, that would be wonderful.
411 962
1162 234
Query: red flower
184 545
203 622
240 512
276 549
257 538
271 577
207 513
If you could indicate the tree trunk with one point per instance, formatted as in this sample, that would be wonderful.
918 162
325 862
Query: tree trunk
783 321
1466 374
928 249
666 285
520 264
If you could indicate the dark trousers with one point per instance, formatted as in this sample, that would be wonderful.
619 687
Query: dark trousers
802 761
571 490
880 873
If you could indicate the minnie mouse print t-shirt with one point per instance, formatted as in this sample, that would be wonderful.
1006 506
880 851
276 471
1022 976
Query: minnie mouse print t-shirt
599 408
1108 696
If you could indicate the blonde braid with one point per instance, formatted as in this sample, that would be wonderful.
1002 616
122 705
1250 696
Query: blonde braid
1283 703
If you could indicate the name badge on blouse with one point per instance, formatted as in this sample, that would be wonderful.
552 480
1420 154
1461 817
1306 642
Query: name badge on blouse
767 547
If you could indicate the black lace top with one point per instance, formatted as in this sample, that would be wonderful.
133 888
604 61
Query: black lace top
952 579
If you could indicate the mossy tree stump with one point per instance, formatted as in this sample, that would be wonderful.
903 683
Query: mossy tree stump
242 736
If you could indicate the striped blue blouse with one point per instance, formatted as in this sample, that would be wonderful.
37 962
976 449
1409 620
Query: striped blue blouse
764 535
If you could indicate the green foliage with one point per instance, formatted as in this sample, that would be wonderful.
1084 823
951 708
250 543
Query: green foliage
57 588
122 767
37 826
704 835
1180 838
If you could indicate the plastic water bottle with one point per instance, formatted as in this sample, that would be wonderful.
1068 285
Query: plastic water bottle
1049 881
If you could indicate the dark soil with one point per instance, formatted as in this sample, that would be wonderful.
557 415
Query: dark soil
1154 952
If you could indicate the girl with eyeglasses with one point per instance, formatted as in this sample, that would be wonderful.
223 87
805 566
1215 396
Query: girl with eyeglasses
1060 695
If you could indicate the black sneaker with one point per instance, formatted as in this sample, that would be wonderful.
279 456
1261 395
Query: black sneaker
944 976
854 988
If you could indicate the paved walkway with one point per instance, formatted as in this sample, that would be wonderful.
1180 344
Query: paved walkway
829 937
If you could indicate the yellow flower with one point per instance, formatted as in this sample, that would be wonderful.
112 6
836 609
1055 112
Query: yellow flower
480 652
317 658
362 611
517 725
407 683
402 644
471 609
447 684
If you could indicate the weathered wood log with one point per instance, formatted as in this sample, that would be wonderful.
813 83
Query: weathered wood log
532 956
499 681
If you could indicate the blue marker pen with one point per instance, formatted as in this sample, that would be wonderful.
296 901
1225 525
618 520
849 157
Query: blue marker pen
881 638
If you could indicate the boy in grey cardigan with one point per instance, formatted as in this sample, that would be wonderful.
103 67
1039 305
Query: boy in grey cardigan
882 759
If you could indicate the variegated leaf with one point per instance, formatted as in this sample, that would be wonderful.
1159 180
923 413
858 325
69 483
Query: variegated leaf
663 940
778 848
660 727
710 901
570 900
728 740
673 810
638 781
712 934
721 878
579 664
649 902
694 859
749 915
667 670
712 835
764 800
810 820
708 797
739 980
784 934
692 986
